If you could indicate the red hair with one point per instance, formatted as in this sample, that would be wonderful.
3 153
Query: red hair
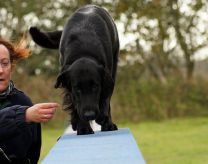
17 51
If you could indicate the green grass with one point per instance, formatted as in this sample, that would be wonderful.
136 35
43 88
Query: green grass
181 141
49 138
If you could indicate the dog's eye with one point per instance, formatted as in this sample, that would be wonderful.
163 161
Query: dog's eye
94 88
77 88
78 91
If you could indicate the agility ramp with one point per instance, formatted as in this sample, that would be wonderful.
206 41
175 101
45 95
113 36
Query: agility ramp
112 147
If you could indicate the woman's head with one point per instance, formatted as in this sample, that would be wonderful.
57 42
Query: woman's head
9 54
5 68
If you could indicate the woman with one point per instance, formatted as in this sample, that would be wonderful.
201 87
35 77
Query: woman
20 131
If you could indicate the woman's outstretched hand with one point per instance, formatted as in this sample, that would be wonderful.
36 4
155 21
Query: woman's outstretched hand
42 112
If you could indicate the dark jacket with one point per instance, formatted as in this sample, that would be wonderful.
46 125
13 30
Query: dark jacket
19 141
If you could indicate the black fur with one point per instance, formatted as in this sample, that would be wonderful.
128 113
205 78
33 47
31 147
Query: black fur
89 48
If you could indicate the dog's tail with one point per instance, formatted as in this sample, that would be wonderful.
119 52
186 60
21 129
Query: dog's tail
46 39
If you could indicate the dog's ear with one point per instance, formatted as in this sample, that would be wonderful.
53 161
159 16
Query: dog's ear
46 39
63 81
107 84
60 81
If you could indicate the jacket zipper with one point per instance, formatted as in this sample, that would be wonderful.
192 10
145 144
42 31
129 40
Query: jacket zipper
4 154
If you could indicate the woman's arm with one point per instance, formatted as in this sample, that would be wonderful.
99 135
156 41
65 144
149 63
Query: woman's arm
42 112
12 121
15 118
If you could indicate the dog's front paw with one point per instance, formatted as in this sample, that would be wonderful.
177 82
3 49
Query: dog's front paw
84 130
74 127
109 127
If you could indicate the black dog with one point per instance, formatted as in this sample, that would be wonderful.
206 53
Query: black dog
89 48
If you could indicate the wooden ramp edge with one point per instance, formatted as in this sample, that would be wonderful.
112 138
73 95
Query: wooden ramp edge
112 147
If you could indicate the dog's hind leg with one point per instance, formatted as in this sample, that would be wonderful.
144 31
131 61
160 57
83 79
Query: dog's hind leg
104 118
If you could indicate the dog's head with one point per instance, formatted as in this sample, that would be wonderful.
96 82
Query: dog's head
88 83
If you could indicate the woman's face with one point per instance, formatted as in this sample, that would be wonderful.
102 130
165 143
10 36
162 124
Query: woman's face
5 68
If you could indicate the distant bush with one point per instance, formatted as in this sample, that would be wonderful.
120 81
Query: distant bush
138 99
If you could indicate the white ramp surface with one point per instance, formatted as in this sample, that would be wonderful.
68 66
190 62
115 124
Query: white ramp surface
112 147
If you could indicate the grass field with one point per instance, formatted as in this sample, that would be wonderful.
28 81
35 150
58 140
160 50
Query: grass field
49 138
181 141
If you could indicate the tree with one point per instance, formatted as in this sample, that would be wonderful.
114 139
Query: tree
18 15
164 32
186 25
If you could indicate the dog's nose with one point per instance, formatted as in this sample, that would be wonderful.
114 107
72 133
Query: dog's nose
89 115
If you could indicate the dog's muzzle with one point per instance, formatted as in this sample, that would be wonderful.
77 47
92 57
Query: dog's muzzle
90 113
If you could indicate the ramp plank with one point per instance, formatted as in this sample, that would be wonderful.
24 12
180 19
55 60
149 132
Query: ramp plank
112 147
